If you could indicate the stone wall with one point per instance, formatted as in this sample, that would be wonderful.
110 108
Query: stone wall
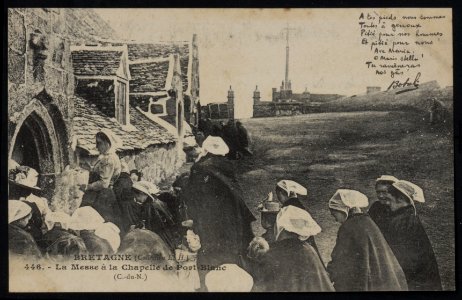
157 163
272 109
264 110
39 70
41 85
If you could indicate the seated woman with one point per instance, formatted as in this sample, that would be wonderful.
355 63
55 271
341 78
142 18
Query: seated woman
147 212
20 242
39 206
99 193
59 243
86 221
361 259
291 264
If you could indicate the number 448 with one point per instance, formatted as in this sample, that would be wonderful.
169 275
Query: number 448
33 267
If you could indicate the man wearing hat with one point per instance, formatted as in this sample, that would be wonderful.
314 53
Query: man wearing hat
20 242
407 238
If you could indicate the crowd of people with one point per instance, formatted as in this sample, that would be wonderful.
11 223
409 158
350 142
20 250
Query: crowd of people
233 133
204 222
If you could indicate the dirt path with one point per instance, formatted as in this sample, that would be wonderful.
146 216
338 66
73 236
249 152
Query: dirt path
328 151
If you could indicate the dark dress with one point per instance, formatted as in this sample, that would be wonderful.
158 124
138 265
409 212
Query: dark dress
59 242
230 137
95 244
103 200
362 259
244 141
409 241
123 188
173 204
149 247
297 203
34 227
291 265
222 219
153 217
21 242
379 213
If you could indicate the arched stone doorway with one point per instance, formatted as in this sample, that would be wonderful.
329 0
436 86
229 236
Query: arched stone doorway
34 143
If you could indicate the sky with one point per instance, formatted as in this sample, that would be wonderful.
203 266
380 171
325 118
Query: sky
244 48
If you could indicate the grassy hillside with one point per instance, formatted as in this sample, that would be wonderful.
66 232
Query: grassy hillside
396 99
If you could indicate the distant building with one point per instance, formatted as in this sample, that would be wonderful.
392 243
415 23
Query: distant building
285 102
373 89
222 111
256 96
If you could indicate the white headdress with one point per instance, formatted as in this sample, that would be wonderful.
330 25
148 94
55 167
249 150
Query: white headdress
296 220
228 278
110 232
291 186
17 210
85 218
344 199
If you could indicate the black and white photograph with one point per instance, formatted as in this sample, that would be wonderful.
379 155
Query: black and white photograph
230 150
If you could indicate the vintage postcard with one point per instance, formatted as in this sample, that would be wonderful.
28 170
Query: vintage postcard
230 150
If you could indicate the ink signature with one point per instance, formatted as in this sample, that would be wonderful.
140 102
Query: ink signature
397 84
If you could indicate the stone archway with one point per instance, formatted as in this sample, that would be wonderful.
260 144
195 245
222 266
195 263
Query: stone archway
34 142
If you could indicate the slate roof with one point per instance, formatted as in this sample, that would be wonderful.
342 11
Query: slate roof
88 120
96 62
137 51
151 76
148 77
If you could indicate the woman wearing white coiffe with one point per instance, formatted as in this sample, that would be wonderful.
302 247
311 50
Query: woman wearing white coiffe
379 211
291 264
20 242
215 202
214 145
361 258
407 238
228 278
288 192
59 243
95 233
105 171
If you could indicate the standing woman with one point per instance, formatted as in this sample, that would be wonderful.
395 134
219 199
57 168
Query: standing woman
361 259
407 237
105 171
287 192
291 264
